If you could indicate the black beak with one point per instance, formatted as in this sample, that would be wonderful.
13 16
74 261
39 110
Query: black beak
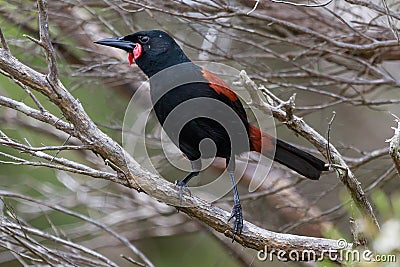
117 42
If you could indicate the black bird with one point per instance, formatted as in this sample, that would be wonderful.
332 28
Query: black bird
193 105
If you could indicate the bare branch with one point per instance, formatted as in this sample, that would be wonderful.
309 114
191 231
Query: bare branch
4 41
303 4
367 157
394 144
21 234
255 7
104 227
373 6
63 164
300 127
35 100
45 41
36 114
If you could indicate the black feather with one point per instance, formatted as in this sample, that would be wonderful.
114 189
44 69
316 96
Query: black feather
299 160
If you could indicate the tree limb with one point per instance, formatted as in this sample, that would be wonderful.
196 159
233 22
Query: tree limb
394 144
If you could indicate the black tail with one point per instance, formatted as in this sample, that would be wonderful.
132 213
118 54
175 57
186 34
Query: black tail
298 160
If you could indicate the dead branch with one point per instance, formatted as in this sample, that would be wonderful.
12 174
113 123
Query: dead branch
394 144
298 125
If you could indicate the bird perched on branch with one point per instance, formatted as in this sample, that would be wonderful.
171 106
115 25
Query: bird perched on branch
194 107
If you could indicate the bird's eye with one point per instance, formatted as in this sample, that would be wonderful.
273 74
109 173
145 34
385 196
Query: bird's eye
144 39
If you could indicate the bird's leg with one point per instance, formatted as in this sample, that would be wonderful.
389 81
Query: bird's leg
196 168
237 208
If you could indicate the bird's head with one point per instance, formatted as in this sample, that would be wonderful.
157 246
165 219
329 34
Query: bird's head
152 50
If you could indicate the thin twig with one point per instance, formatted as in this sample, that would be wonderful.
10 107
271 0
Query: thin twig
302 4
46 41
104 227
4 41
254 7
328 150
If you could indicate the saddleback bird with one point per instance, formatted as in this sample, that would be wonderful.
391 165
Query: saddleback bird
159 57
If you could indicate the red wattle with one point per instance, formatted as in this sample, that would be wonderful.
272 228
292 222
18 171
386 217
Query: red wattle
130 58
137 51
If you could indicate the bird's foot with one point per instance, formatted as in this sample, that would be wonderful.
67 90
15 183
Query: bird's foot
182 186
238 223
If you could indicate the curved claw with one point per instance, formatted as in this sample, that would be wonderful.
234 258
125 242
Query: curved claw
238 223
181 186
